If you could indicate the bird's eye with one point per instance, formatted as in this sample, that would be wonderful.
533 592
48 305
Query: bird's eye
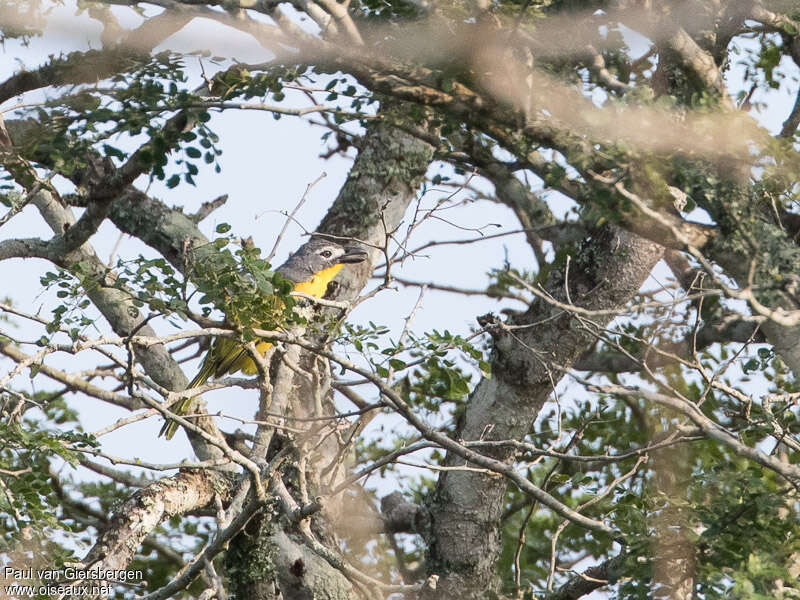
325 254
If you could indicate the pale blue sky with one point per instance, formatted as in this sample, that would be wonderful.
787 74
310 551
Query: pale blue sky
267 165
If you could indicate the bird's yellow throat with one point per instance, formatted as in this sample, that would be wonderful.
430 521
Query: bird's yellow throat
319 284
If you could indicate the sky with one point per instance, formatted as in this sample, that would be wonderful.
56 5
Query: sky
267 166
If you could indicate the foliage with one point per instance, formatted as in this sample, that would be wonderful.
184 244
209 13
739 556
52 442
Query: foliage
28 502
678 443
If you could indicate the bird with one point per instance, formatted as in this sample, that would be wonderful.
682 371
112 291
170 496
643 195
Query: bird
311 269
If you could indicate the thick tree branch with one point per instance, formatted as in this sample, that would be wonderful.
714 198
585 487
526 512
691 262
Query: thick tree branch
590 580
401 516
700 62
93 65
530 355
74 383
146 509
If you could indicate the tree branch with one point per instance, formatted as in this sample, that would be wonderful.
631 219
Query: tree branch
146 509
590 580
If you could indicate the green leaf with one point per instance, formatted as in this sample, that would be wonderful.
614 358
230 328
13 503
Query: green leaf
485 368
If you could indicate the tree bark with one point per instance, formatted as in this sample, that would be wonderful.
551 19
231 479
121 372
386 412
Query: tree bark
383 181
529 360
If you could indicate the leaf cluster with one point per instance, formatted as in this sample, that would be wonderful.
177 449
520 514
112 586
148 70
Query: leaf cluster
28 503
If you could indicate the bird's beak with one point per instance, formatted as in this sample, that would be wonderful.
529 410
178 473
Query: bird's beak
353 254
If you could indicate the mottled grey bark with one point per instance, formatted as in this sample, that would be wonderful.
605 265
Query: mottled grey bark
265 561
111 299
383 181
168 231
592 579
113 303
146 509
529 357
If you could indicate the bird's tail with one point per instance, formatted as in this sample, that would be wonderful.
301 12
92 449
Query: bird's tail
170 426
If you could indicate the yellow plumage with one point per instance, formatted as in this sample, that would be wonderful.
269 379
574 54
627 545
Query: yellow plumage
312 268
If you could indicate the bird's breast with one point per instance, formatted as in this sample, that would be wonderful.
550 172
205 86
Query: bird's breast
318 285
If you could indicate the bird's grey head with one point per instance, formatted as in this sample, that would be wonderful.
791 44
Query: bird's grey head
317 255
